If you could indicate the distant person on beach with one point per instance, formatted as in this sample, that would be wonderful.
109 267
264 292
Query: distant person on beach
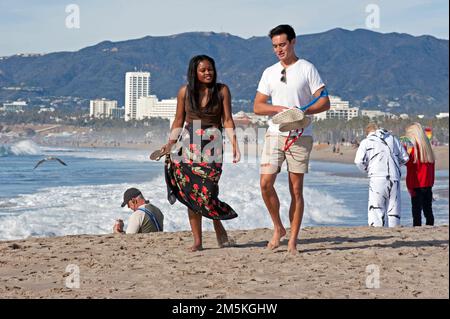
381 154
146 218
291 82
420 174
194 166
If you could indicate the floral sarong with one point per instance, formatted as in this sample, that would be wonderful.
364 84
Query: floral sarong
193 170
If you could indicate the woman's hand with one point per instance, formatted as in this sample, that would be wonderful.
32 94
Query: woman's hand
236 154
166 148
411 192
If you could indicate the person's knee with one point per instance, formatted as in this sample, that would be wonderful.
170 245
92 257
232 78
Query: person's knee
266 185
297 192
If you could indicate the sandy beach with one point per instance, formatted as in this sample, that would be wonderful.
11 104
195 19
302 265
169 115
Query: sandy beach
333 262
324 152
320 152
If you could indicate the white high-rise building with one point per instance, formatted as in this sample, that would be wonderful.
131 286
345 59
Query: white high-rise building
102 108
339 109
149 106
137 85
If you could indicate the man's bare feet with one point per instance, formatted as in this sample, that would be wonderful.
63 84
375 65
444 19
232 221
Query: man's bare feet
292 249
196 248
276 238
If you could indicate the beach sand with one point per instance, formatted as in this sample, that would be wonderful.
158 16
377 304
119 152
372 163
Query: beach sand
324 153
320 152
333 262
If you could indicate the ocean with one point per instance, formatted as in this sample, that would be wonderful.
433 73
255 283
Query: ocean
84 197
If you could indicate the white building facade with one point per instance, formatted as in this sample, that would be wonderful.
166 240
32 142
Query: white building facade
137 85
374 113
14 106
339 109
102 108
442 115
148 107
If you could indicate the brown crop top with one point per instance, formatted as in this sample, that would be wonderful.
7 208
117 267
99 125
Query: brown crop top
211 115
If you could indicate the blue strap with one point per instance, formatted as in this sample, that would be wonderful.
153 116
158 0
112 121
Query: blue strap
152 218
324 93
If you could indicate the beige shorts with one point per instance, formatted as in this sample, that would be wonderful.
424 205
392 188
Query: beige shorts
297 156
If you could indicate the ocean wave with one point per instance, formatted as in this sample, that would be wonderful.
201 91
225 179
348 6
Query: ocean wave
92 209
22 148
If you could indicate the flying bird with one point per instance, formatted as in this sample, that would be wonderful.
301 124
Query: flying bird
49 159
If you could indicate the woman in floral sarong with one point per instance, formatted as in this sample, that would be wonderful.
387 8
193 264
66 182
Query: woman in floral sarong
194 166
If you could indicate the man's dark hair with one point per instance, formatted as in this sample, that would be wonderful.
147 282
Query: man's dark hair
283 29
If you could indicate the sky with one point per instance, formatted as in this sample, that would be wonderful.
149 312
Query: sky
43 26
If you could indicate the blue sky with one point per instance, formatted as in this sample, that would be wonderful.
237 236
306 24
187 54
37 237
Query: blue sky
39 26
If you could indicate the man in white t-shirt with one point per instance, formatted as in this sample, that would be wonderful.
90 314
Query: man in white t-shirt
146 218
292 82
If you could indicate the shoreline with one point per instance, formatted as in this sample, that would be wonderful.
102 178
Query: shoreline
320 152
332 263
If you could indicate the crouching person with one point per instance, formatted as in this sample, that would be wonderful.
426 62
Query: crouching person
145 218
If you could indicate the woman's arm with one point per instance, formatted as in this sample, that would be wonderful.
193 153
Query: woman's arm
228 123
180 116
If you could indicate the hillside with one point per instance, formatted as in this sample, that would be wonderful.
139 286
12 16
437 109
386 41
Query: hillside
368 68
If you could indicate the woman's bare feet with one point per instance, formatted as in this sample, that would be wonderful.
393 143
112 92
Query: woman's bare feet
225 242
195 248
222 236
278 234
292 249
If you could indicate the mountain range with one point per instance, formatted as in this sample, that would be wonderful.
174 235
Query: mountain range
390 72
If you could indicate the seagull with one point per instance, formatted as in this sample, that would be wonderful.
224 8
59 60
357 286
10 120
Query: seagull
49 159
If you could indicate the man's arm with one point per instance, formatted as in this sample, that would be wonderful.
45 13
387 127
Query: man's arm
134 224
361 157
321 105
261 107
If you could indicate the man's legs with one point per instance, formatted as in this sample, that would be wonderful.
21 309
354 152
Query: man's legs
296 209
377 201
271 161
394 206
272 202
196 225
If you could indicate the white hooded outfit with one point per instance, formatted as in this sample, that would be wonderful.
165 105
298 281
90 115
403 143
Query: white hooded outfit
381 155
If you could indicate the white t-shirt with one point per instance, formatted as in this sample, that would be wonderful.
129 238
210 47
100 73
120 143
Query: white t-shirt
135 221
302 81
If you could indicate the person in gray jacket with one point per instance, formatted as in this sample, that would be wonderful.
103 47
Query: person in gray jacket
381 155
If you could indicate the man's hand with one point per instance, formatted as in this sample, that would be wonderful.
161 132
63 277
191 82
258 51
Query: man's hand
118 226
280 109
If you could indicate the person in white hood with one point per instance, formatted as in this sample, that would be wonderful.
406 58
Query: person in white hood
381 155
